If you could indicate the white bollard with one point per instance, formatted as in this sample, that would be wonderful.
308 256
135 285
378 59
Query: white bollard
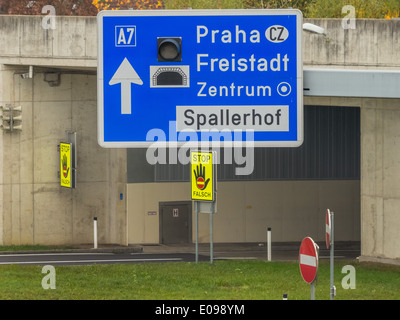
95 232
269 244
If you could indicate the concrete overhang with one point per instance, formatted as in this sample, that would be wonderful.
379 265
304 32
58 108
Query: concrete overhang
317 82
351 83
71 45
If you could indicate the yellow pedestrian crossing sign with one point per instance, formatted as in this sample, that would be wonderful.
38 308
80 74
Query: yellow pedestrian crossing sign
202 176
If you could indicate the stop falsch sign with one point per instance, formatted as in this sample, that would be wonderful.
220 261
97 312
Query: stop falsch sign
308 258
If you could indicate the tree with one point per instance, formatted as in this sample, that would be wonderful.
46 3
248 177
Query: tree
277 4
364 9
75 7
128 4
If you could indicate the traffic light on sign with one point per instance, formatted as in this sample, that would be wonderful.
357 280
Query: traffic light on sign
169 49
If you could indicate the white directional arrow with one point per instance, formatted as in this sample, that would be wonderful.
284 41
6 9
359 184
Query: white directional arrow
125 75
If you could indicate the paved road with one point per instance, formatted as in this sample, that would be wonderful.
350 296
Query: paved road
280 251
91 258
170 253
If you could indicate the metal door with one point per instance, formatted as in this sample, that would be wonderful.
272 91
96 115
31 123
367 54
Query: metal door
175 222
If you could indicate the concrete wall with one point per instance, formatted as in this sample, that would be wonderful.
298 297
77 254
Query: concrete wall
293 209
72 44
35 209
372 44
380 191
380 169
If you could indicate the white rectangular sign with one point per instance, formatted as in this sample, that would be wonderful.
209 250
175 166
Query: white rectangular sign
257 118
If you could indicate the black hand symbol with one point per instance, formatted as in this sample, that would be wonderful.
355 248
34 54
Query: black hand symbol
64 163
201 174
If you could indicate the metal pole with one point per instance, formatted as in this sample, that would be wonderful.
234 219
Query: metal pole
196 211
313 290
332 256
211 233
269 243
95 232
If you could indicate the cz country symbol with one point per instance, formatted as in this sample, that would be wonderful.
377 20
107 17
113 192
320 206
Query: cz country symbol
202 176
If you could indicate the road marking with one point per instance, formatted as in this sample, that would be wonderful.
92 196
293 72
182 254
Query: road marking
91 261
54 254
236 258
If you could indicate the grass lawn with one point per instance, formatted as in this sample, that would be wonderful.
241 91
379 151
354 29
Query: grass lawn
182 280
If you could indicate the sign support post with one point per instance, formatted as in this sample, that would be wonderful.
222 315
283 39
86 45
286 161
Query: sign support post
332 258
203 190
329 236
313 290
196 213
211 234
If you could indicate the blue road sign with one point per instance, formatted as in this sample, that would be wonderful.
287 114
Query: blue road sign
183 76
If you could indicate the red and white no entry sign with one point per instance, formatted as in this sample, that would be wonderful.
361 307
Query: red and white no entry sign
308 259
328 228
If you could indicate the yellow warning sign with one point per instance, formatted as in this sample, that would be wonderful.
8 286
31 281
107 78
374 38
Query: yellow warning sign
202 176
65 165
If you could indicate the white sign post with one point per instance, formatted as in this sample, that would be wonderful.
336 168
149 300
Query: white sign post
329 228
